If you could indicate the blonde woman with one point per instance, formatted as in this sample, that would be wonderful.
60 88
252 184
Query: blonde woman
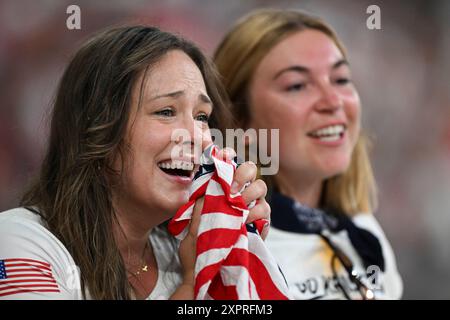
287 70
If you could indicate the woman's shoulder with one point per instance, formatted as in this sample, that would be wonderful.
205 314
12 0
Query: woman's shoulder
368 221
19 213
393 281
21 222
27 244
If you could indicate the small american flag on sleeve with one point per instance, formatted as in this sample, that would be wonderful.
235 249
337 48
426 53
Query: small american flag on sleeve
21 275
233 262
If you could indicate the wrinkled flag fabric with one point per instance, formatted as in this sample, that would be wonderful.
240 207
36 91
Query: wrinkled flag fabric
233 262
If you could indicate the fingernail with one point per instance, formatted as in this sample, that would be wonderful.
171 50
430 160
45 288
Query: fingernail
230 153
234 187
265 230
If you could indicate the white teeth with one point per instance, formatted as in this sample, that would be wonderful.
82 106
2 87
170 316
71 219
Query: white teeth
176 164
329 138
330 133
164 165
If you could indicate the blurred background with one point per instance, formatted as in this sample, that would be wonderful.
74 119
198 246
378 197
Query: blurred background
401 72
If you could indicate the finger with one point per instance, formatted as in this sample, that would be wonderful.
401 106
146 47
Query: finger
265 230
260 211
226 153
195 220
206 140
244 173
202 141
188 246
256 190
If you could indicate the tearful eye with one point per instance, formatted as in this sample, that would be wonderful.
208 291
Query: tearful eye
202 117
165 113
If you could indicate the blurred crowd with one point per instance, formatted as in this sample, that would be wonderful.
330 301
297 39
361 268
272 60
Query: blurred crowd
401 72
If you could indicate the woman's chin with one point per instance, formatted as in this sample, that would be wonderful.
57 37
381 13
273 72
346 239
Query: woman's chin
175 201
335 166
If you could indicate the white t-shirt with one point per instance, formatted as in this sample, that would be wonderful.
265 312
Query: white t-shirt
34 264
306 263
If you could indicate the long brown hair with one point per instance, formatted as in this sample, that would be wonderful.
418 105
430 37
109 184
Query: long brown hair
237 57
88 126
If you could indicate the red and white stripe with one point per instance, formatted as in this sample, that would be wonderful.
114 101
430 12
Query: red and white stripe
232 264
27 275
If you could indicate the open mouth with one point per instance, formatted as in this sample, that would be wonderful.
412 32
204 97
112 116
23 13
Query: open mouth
177 168
330 133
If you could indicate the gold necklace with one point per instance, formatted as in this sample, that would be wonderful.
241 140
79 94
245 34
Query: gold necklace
144 266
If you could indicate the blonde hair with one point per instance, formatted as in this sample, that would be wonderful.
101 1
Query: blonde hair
237 58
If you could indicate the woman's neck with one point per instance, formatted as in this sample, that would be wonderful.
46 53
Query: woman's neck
132 229
303 190
130 237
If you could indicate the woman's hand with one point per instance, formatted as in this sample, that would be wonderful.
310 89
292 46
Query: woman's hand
257 190
187 252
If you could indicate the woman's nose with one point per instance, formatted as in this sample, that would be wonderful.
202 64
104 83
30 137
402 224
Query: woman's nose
329 100
191 136
185 131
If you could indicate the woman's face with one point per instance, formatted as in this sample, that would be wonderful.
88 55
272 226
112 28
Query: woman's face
174 97
303 87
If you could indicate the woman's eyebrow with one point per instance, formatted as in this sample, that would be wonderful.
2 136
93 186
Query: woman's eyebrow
339 63
204 98
296 68
176 94
303 69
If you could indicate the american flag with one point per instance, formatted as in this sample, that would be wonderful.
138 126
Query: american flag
233 262
21 275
